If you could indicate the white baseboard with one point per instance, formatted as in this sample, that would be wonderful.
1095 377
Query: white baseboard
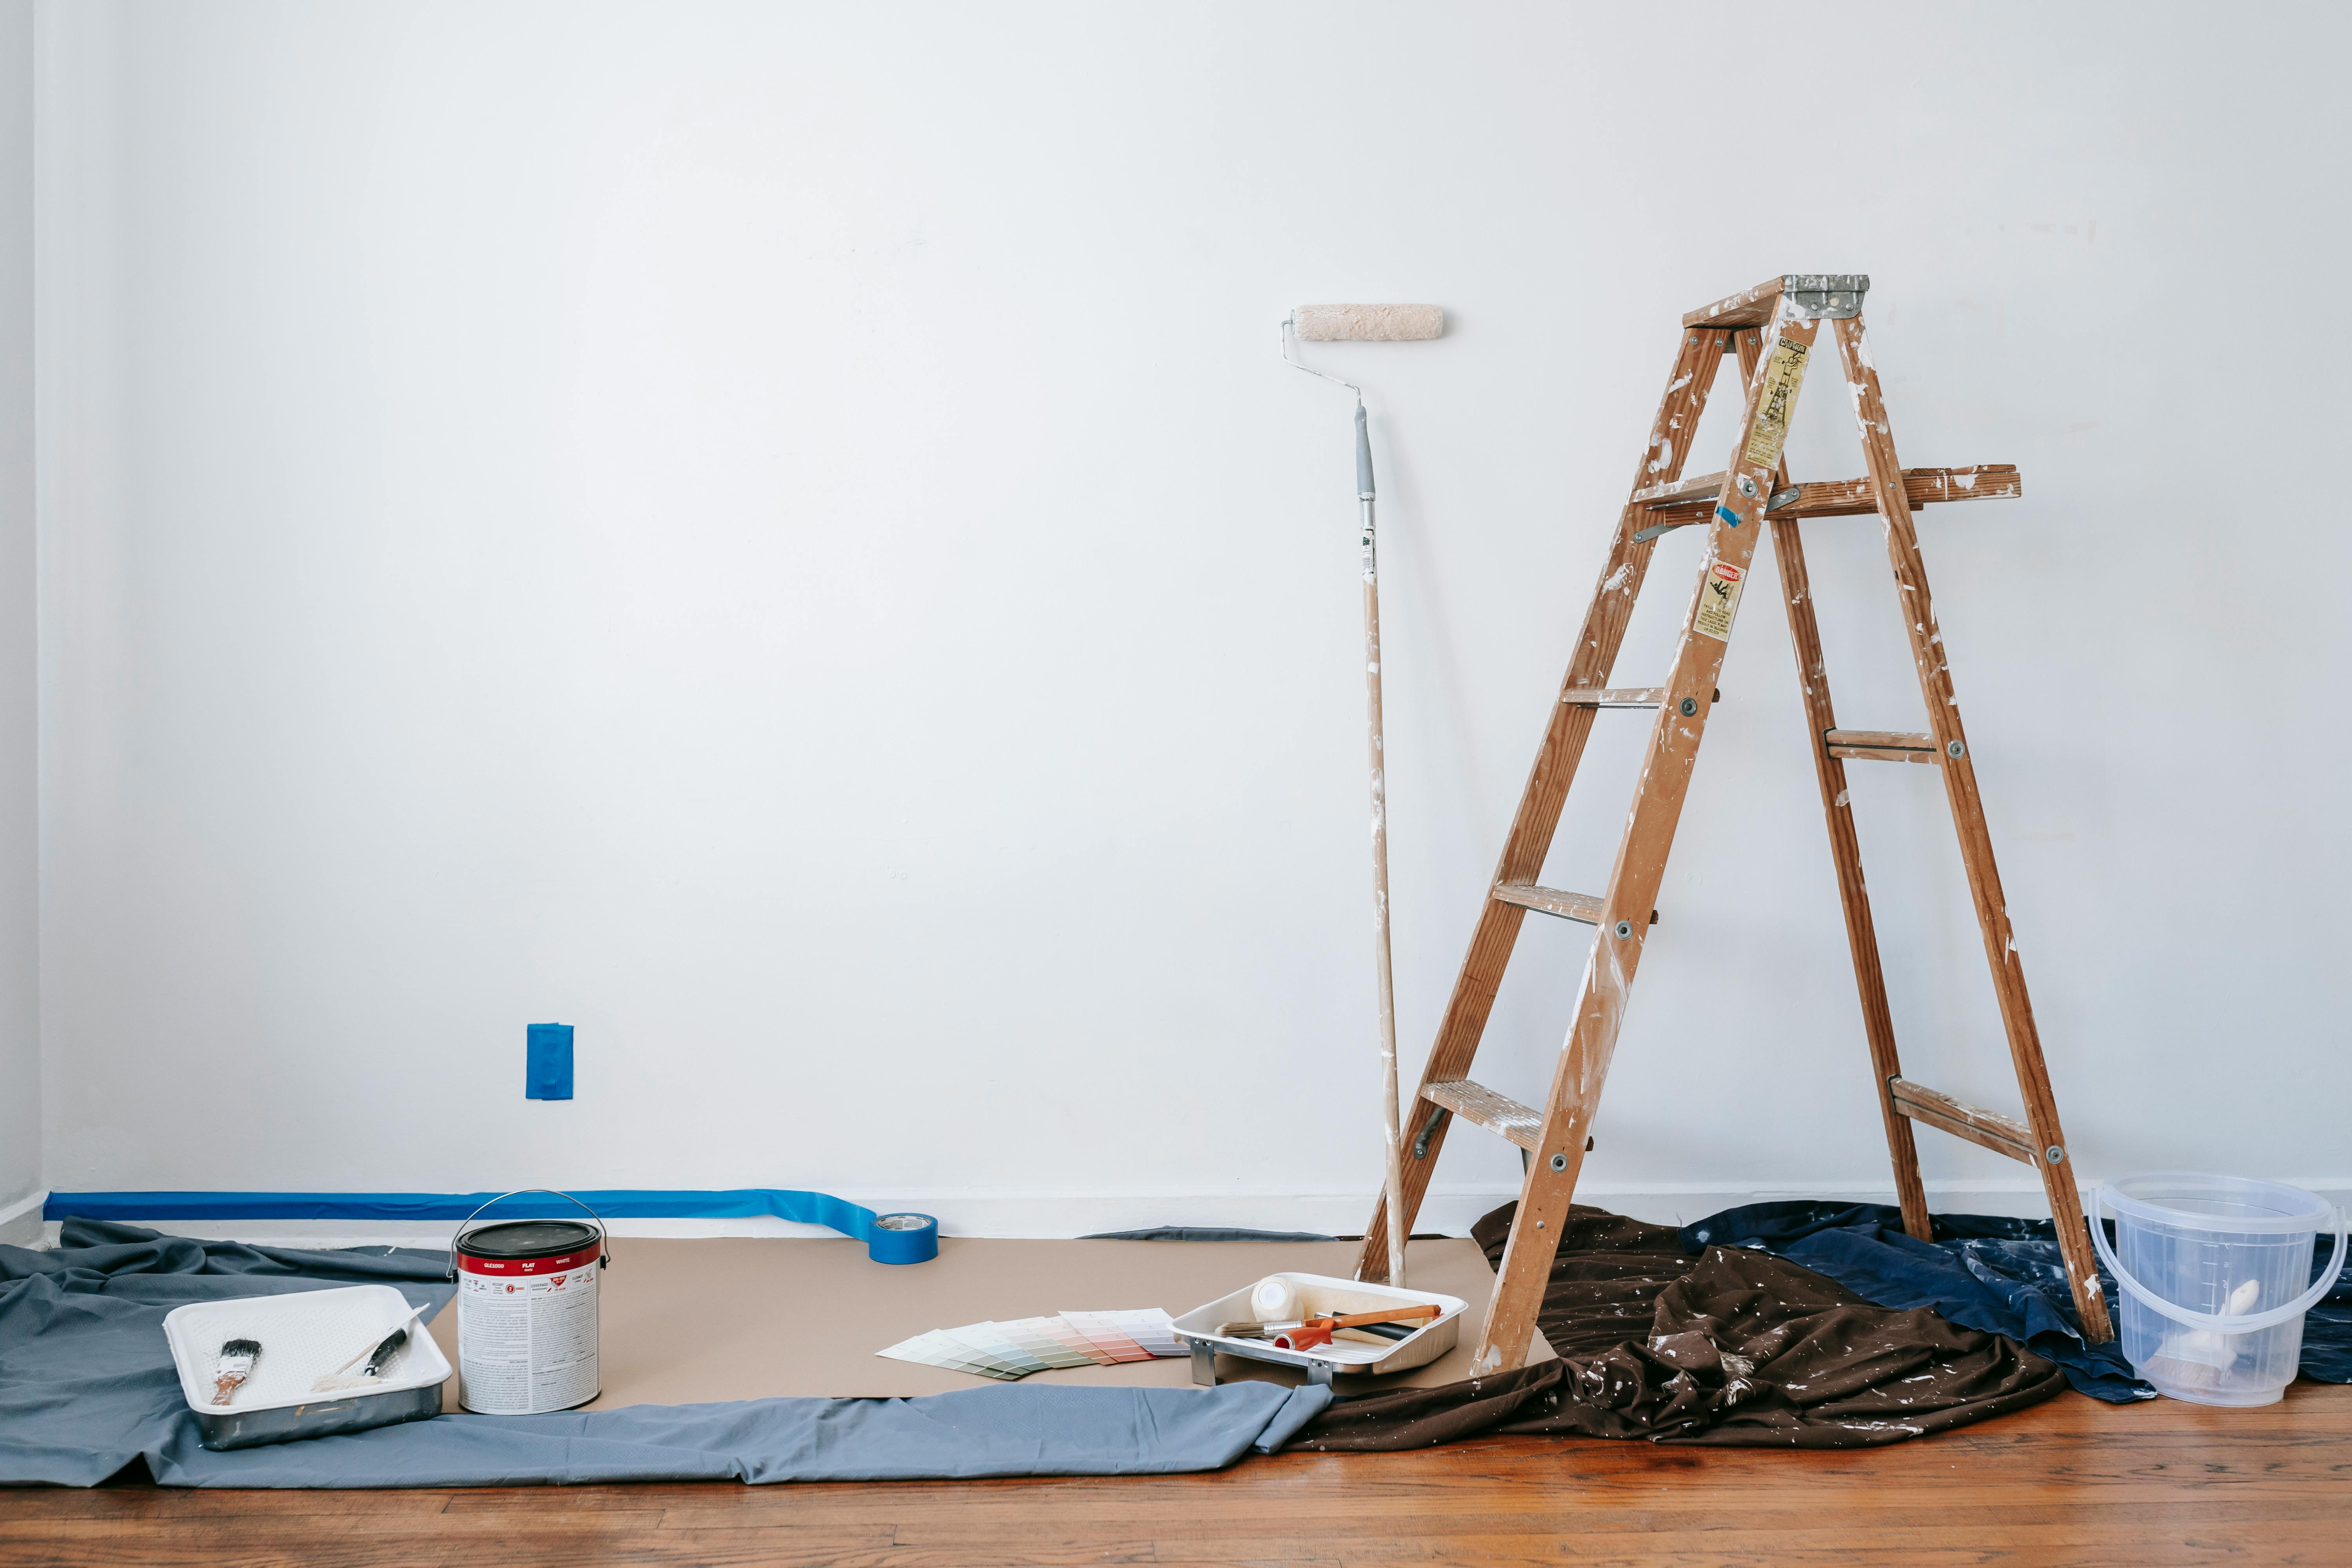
20 1222
1448 1210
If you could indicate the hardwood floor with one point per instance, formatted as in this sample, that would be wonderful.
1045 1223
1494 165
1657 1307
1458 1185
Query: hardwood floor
2070 1482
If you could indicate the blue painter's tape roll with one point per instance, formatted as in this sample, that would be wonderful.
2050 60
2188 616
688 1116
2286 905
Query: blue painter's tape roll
902 1238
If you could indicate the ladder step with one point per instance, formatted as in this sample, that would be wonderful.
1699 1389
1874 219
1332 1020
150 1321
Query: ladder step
1814 294
1921 487
1584 906
1881 745
1988 1129
1615 696
1693 500
1700 493
1498 1113
1691 491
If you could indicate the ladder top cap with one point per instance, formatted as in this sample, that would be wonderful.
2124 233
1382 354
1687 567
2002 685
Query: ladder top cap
1817 296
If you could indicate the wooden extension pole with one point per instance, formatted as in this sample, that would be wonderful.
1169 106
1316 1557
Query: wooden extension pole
1391 1135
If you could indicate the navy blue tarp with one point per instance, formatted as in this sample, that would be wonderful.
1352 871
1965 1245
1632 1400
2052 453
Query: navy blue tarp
1989 1272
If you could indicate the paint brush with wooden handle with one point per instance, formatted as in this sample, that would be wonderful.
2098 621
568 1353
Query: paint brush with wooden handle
1327 1324
236 1359
1316 1331
378 1353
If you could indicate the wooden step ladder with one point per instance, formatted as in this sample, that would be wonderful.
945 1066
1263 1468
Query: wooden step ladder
1772 328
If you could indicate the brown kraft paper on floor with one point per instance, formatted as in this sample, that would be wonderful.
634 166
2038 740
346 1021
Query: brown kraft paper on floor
1732 1347
720 1318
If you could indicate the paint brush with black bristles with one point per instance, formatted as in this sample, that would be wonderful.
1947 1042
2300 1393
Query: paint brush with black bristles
236 1359
379 1355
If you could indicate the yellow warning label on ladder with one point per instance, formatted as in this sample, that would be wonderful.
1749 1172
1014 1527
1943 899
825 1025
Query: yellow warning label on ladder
1782 371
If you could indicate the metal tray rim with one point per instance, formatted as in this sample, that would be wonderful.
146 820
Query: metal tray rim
1428 1338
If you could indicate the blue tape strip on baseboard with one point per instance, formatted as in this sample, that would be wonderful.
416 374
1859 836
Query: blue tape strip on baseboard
740 1203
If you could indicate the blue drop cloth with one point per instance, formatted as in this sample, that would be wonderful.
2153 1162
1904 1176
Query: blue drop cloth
87 1388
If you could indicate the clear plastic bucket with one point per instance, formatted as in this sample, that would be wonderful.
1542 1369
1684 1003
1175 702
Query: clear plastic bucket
2214 1271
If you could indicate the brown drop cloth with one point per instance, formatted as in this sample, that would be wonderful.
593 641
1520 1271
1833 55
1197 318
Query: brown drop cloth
1732 1347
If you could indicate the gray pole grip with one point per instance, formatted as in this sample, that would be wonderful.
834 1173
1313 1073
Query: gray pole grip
1363 456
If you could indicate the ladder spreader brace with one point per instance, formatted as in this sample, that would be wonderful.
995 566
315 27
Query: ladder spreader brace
1773 328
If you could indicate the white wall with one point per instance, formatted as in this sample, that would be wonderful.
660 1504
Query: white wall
779 536
20 1040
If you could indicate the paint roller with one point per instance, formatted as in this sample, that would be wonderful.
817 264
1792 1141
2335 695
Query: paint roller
1374 324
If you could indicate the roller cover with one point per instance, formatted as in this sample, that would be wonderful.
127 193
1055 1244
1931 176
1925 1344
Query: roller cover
1368 323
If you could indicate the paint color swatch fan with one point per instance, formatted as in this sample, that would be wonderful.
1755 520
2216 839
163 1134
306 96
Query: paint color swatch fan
1013 1349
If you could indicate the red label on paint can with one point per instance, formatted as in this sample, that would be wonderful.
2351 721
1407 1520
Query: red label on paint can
469 1264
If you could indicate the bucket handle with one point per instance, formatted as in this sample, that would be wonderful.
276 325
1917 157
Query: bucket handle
2253 1322
604 1241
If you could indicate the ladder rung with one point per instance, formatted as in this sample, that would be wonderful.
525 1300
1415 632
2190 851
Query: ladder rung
1584 906
1702 488
1615 696
1988 1128
1693 500
1921 487
1498 1113
1881 745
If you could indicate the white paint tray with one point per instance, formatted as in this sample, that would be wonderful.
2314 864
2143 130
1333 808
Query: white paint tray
1322 1294
304 1335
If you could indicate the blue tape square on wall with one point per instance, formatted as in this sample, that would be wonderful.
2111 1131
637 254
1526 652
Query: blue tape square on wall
547 1073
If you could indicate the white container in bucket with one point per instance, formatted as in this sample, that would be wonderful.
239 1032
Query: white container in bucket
527 1312
2214 1271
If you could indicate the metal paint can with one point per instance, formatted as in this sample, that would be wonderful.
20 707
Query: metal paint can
527 1312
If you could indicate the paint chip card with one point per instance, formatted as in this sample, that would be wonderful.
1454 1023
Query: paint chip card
1030 1335
935 1349
1782 371
1013 1349
1133 1335
993 1349
1718 600
1107 1335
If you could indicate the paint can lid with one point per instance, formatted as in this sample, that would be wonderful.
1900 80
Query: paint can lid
518 1239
